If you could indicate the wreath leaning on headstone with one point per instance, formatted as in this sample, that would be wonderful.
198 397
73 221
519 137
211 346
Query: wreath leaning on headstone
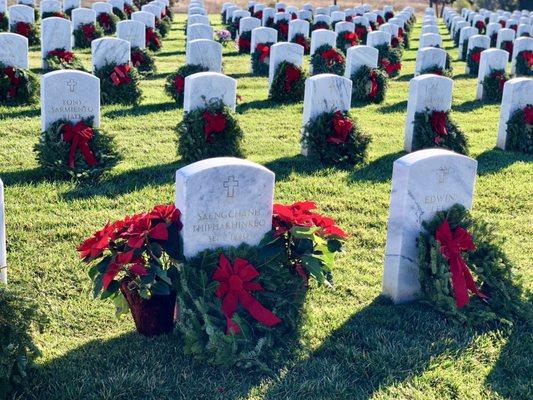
507 45
76 150
244 42
472 59
288 84
121 15
436 129
4 22
261 58
493 85
335 139
17 86
436 70
153 40
282 26
303 41
58 59
327 60
28 30
119 84
369 85
143 61
209 132
163 25
459 255
84 34
524 63
389 59
320 25
520 130
175 83
108 22
345 40
58 14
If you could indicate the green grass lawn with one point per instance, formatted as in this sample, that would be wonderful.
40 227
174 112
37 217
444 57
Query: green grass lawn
355 344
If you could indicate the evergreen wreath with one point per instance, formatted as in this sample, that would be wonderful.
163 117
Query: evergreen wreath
76 150
282 26
175 83
465 50
404 38
209 132
493 85
68 12
448 68
153 40
507 45
233 27
345 40
481 27
143 61
369 85
524 63
520 130
244 42
121 15
388 15
169 13
4 22
241 306
493 39
61 59
119 84
389 59
436 129
335 139
456 37
129 9
84 34
362 33
17 86
397 44
436 70
108 22
472 59
327 60
288 85
163 25
459 254
303 41
27 30
320 25
261 59
58 14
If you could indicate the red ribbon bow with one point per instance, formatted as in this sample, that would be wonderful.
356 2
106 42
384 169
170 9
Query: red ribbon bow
214 123
528 114
23 28
79 135
105 20
179 83
476 56
292 74
120 76
234 289
302 41
451 246
331 56
244 44
151 37
501 79
351 38
528 56
283 28
89 31
137 58
342 126
390 67
264 50
438 121
14 81
373 84
66 56
360 31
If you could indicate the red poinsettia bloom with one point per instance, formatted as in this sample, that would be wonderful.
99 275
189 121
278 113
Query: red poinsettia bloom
342 126
292 75
23 28
351 38
167 213
89 31
66 56
438 120
142 229
122 260
97 243
214 123
528 114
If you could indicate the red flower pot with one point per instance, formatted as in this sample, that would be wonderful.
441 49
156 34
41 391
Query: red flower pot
154 316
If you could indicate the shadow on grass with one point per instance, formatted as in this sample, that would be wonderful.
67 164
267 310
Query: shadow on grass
241 75
495 160
257 105
24 177
299 164
127 182
405 78
159 75
392 108
379 170
26 112
143 109
469 105
462 76
171 53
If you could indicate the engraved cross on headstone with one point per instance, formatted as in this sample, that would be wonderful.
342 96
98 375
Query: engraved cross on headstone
231 184
72 85
442 173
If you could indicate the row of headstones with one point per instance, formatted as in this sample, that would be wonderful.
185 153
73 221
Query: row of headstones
56 6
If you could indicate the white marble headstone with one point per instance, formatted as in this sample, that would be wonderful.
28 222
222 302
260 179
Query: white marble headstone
517 94
321 37
207 53
148 19
430 29
423 183
100 7
426 92
3 6
358 56
298 26
465 34
21 13
268 13
204 87
247 24
505 35
50 6
3 249
224 202
341 27
71 95
519 45
491 59
377 38
199 31
476 41
110 51
133 32
117 4
430 40
428 57
198 19
82 16
263 35
14 50
284 51
55 34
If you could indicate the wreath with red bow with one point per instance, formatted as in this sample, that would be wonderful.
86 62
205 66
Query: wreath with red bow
244 42
380 20
320 25
303 41
436 70
472 59
120 14
4 22
119 84
520 130
58 14
327 60
233 28
436 129
493 40
175 83
27 30
208 132
242 306
524 63
463 271
388 15
76 150
404 38
362 33
346 39
143 61
61 59
493 85
389 60
84 34
108 22
17 86
282 26
129 9
507 45
163 25
261 58
335 139
288 85
153 40
369 85
481 27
